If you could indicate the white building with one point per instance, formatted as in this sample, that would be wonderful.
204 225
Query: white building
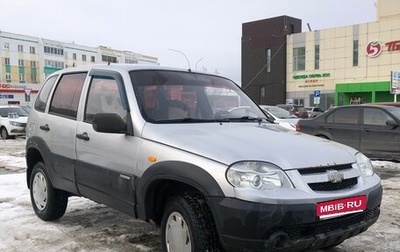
26 61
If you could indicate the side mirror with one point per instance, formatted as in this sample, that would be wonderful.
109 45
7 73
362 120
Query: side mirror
109 123
392 123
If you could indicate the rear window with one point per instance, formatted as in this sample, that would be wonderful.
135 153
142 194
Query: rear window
41 101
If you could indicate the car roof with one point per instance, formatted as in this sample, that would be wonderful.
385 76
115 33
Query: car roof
124 67
396 104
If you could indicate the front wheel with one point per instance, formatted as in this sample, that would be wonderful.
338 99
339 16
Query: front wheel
187 225
48 203
4 133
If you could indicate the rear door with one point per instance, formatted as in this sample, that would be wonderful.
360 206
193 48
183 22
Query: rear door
377 138
343 125
106 161
56 122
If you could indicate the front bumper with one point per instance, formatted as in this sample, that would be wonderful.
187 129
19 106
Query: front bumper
253 226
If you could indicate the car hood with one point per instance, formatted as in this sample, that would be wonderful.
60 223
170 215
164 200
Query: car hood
232 142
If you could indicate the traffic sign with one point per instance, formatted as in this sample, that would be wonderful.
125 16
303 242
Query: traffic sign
317 93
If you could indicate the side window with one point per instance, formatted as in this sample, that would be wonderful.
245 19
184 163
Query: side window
104 97
66 97
41 101
375 117
347 115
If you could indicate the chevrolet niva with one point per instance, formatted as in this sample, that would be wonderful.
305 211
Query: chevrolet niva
193 154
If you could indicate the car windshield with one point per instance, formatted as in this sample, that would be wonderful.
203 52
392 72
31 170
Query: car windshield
12 112
170 96
280 112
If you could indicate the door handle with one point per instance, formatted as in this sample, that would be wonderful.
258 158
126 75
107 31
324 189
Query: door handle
83 136
44 127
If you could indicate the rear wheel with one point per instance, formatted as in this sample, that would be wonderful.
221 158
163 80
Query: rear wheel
4 133
187 225
48 203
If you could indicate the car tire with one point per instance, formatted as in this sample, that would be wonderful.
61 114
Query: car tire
48 203
187 225
4 133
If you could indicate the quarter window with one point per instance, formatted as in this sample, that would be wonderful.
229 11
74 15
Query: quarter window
41 101
66 97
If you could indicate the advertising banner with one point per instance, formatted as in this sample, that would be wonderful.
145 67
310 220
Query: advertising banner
395 82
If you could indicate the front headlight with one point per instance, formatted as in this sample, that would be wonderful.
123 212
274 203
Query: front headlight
257 175
364 164
16 124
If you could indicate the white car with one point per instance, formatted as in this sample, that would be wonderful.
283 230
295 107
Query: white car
314 111
281 116
12 121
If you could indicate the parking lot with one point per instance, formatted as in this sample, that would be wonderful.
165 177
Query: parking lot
88 226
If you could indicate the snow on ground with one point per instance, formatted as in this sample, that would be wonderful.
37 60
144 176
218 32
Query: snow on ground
88 226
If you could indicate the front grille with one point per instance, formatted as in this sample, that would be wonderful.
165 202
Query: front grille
329 186
323 169
326 183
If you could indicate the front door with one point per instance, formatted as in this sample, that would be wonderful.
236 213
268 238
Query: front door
106 161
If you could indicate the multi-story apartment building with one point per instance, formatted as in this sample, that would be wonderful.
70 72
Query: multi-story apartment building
26 61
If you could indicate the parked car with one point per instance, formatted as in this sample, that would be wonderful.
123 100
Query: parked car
280 116
296 110
154 143
12 121
314 111
372 129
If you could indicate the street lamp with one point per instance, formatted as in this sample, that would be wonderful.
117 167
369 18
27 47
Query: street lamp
183 56
198 62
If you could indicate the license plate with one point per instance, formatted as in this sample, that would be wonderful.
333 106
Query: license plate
335 208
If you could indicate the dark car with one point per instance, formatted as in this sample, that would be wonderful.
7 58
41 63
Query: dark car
296 110
372 129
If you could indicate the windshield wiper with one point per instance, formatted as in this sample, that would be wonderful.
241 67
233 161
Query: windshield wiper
242 119
186 120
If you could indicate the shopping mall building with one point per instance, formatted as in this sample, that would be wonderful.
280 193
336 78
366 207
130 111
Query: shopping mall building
359 63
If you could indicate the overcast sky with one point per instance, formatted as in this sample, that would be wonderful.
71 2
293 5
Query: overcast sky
208 32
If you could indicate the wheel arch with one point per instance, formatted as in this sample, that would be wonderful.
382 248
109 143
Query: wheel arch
166 179
34 155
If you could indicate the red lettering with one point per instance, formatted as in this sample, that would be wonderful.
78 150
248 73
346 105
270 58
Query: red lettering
393 45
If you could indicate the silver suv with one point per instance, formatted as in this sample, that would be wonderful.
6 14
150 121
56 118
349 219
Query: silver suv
192 153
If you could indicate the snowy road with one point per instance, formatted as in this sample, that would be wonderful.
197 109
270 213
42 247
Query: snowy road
88 226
